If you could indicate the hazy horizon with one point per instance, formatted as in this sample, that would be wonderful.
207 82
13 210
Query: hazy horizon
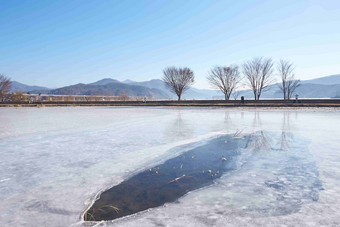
56 44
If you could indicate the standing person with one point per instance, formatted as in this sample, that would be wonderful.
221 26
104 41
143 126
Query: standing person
144 99
296 98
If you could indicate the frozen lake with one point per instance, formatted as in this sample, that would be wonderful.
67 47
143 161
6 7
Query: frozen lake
54 161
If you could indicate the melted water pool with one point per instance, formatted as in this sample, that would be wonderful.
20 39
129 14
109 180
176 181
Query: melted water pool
169 181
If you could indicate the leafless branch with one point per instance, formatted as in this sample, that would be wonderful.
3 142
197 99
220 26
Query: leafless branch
291 87
236 94
5 84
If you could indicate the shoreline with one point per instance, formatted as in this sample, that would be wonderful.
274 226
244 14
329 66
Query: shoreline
188 103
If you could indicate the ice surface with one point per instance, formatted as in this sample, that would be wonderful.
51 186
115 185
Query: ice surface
55 160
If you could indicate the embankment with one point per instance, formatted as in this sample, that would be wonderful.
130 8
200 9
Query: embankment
188 103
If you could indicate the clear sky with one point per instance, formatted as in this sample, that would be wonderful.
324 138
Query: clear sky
57 43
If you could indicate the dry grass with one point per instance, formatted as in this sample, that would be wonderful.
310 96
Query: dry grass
92 218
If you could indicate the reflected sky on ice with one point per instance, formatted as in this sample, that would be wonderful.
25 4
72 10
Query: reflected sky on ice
55 160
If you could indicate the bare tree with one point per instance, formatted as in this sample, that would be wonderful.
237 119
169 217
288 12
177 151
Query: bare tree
291 87
224 78
259 75
178 80
123 97
236 94
5 84
289 83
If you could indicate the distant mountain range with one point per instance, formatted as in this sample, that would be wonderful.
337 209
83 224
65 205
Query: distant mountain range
323 87
326 80
192 93
16 86
107 86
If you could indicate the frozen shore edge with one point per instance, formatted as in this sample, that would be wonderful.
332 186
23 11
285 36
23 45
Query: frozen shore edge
270 103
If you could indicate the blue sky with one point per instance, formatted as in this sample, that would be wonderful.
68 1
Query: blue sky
57 43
